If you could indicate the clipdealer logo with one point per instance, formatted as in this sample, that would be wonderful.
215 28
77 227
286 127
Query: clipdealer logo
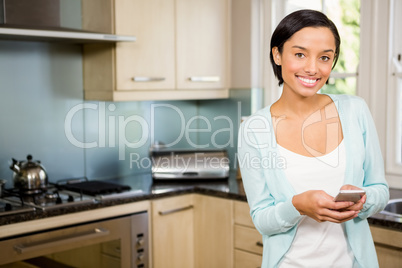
112 128
259 133
178 162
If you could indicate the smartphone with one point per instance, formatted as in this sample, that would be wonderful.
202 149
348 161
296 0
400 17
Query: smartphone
349 195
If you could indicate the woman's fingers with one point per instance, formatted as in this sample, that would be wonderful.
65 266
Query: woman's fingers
320 206
340 205
329 219
337 216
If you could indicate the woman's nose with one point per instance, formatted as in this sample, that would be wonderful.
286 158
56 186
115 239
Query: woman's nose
311 67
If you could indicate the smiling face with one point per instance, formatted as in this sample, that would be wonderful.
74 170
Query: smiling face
306 60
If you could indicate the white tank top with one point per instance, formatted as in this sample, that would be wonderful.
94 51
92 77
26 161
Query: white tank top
317 245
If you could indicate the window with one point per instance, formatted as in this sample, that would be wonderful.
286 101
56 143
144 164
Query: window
394 113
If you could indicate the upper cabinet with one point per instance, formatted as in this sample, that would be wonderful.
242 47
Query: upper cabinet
182 51
202 43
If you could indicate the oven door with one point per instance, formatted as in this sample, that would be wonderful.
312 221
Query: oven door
117 242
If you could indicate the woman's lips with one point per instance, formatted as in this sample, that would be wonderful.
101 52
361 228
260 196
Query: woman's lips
308 82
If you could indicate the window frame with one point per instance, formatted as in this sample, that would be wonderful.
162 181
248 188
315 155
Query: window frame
393 160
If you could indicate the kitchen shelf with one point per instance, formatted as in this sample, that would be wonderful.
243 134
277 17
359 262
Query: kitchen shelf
61 36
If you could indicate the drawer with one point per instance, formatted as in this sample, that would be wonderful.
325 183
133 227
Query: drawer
242 214
387 237
248 239
246 260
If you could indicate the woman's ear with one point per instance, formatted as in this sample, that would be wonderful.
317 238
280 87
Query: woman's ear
276 55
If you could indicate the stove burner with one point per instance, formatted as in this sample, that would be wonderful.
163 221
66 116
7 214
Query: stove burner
53 195
8 207
96 187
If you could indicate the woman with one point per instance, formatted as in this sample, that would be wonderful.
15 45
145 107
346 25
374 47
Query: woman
298 153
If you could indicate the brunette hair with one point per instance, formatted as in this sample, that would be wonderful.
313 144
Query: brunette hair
293 23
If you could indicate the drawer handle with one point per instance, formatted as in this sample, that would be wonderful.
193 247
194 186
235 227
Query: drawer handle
260 244
147 79
162 213
204 78
95 233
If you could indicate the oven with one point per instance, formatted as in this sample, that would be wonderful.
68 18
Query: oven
116 240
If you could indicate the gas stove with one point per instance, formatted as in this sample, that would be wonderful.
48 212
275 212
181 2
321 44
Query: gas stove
9 207
64 193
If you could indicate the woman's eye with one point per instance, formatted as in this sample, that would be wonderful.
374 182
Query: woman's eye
299 55
325 58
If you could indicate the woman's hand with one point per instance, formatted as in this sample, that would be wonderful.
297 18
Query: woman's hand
321 207
359 204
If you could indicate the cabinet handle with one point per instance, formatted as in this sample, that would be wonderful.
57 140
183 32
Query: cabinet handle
148 79
162 213
95 233
260 244
204 78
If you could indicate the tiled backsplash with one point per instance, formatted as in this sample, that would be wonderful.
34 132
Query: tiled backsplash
43 114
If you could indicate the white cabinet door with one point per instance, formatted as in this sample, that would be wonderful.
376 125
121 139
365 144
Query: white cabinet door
202 43
148 63
173 232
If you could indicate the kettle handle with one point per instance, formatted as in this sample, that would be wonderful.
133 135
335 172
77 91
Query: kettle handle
14 166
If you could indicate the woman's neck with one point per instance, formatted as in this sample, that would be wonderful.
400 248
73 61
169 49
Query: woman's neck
292 105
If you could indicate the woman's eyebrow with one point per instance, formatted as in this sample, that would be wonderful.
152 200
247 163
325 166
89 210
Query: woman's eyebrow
303 48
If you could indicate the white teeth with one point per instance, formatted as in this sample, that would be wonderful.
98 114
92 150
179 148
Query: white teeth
310 81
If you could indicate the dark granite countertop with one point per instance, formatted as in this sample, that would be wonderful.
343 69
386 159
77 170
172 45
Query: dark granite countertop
147 189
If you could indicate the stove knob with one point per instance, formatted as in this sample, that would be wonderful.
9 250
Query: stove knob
8 207
58 200
140 257
140 241
70 198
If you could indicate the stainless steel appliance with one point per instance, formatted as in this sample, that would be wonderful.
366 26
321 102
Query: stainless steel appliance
121 241
116 242
178 164
29 175
28 13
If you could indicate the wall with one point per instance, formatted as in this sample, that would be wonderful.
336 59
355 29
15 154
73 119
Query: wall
43 114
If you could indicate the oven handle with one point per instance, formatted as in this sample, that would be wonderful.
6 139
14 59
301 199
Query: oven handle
95 233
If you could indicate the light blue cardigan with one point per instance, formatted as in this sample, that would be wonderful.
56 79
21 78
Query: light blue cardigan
269 193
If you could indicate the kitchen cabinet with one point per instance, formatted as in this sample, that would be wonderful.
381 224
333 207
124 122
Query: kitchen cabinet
247 240
182 52
213 221
173 232
388 244
192 231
